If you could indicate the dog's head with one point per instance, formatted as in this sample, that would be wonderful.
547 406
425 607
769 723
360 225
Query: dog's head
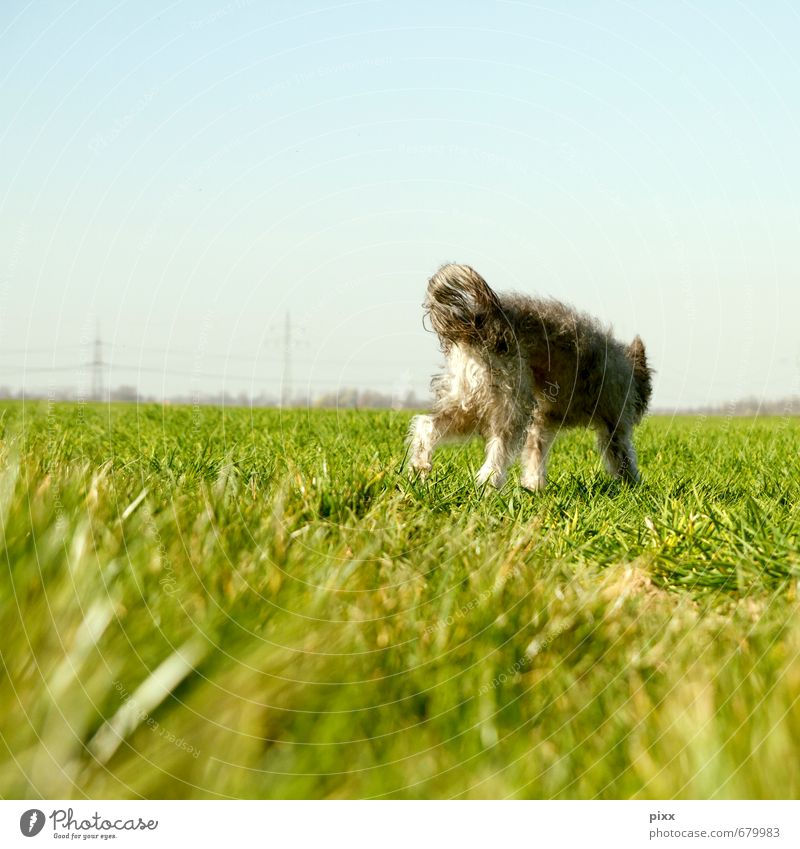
463 309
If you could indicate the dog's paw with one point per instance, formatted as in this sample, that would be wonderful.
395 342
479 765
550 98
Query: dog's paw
419 470
489 474
533 483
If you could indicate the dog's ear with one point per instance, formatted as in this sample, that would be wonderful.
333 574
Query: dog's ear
461 305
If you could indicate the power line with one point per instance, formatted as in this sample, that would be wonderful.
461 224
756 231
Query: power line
25 369
97 366
289 335
319 360
35 351
117 367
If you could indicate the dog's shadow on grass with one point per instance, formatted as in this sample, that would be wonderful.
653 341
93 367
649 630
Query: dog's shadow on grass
445 490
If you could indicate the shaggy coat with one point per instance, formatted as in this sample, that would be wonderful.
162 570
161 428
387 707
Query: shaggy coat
518 370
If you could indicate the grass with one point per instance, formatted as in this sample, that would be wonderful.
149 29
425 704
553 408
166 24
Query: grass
233 603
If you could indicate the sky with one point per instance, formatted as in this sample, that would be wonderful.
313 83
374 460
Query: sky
180 177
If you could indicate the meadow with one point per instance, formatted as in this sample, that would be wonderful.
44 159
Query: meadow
215 603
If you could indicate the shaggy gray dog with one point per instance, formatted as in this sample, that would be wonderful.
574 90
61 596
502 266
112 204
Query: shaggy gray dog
518 370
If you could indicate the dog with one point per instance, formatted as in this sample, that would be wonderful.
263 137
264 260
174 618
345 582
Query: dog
519 369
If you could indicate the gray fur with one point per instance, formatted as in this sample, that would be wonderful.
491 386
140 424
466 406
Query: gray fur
520 369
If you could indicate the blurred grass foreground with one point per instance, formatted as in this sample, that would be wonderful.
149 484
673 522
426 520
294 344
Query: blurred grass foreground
258 603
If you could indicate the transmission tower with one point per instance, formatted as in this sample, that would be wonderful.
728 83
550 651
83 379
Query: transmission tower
97 368
286 382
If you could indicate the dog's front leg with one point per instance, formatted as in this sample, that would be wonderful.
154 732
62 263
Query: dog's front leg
500 451
427 432
423 436
618 453
504 432
534 457
494 466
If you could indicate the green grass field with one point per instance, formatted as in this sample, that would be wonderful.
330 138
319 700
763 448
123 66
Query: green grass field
209 603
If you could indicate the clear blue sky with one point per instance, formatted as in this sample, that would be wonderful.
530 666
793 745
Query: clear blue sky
186 173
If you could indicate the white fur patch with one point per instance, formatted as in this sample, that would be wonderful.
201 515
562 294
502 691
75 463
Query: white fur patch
467 378
422 440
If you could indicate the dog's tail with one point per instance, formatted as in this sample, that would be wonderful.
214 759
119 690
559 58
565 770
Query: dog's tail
642 376
463 308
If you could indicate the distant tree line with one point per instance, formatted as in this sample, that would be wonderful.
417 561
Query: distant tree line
351 398
345 397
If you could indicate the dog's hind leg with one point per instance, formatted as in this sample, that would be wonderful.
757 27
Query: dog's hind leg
538 439
618 453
